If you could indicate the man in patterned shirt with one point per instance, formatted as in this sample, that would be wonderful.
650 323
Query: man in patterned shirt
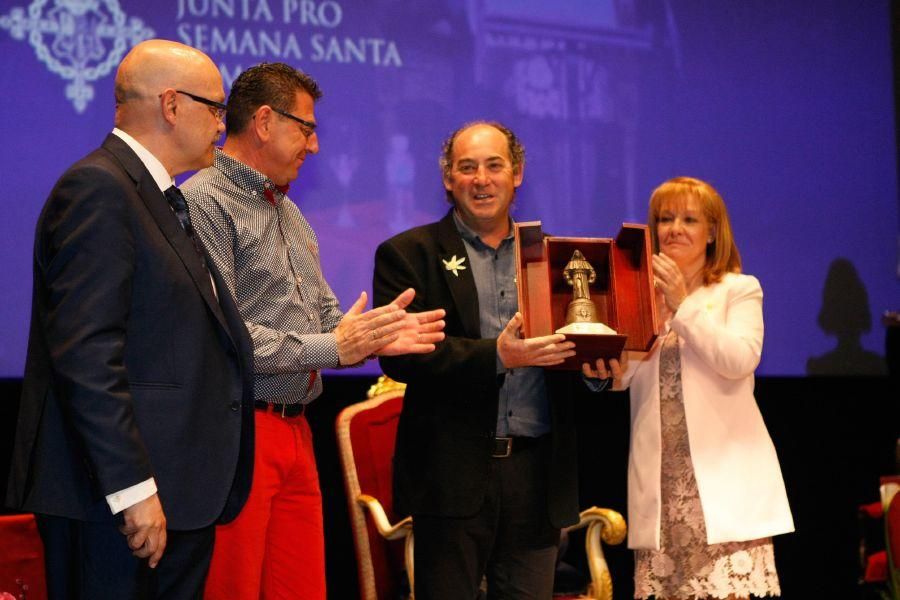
268 255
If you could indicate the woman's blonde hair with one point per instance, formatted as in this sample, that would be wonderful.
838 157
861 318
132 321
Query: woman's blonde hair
721 254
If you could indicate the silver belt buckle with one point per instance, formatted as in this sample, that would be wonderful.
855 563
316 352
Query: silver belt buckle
506 451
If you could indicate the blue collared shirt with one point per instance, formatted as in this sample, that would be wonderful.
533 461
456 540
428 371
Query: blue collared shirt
524 409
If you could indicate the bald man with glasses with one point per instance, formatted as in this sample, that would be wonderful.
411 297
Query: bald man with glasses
135 428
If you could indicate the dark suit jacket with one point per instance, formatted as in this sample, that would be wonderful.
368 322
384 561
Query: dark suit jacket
446 430
134 368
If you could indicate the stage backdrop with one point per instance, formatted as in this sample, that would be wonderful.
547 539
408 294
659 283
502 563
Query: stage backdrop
786 107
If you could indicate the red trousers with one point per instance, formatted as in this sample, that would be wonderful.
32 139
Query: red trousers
275 549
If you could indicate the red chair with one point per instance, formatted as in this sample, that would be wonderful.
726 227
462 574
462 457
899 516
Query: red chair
21 558
366 434
881 569
890 501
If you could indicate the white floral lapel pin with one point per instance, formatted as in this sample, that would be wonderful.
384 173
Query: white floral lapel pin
454 265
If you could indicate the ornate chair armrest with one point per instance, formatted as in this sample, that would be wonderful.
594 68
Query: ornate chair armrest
606 525
390 532
398 531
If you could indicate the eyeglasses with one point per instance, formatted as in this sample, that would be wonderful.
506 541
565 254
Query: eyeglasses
307 127
216 108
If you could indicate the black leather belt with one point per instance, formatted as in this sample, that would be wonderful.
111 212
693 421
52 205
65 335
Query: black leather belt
504 447
283 410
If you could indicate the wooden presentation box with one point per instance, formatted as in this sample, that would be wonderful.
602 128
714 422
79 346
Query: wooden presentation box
623 292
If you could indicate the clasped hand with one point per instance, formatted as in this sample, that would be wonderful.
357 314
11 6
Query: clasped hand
545 351
145 529
604 369
387 330
669 281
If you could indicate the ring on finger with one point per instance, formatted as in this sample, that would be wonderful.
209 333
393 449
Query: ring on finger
374 335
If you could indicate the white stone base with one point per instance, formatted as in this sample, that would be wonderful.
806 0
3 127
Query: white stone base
587 328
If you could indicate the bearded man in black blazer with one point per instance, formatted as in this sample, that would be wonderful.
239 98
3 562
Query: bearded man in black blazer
485 458
136 420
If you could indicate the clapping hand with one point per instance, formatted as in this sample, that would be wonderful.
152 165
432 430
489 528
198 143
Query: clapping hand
669 281
360 334
419 332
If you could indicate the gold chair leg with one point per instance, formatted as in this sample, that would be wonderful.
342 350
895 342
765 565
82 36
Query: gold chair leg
408 548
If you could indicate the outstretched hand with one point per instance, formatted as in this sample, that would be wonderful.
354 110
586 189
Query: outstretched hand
419 334
361 334
545 351
388 330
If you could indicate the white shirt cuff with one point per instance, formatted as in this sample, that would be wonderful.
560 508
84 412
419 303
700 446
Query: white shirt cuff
119 501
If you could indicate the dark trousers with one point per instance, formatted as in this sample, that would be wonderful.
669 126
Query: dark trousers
92 561
509 540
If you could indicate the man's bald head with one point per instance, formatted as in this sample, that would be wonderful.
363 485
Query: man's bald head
166 99
154 65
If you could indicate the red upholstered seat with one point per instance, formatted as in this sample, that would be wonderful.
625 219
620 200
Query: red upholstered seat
876 567
890 498
882 568
366 433
21 558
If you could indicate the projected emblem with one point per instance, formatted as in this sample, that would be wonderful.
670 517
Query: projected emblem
79 40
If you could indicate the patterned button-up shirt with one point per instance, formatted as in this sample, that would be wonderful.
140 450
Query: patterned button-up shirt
269 258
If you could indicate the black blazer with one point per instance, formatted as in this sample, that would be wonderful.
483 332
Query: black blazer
446 430
135 368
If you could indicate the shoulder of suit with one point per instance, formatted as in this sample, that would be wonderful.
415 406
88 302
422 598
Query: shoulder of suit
740 280
100 158
417 236
737 285
94 190
98 171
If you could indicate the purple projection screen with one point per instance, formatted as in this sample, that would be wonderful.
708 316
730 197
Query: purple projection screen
786 107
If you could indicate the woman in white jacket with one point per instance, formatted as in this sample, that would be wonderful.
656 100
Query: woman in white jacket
705 492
